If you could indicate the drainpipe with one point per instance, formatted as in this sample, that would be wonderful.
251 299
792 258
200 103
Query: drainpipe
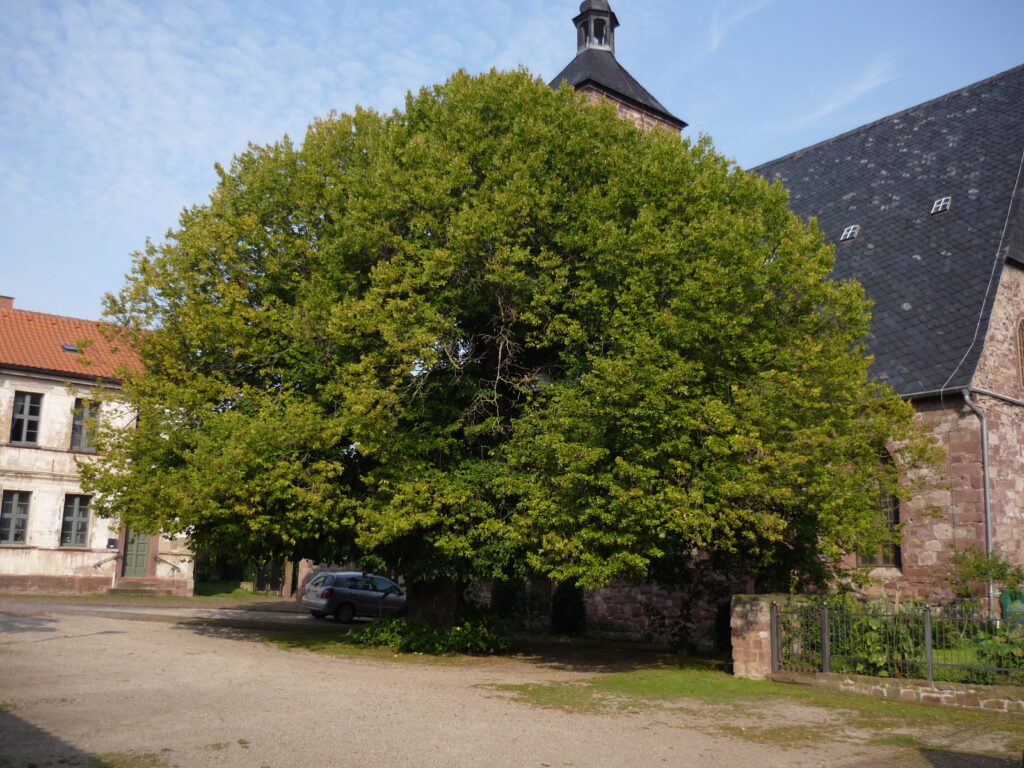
966 391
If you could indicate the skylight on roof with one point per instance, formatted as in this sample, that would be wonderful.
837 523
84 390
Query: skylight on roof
850 233
942 204
69 347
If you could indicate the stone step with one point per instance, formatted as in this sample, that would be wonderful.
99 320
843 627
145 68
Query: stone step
139 590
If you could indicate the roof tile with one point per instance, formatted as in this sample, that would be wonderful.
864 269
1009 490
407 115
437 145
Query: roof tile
34 340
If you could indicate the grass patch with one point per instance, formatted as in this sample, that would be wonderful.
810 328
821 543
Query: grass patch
7 705
691 683
340 644
898 740
224 589
127 760
331 644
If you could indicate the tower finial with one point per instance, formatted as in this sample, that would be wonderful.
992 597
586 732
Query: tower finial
595 26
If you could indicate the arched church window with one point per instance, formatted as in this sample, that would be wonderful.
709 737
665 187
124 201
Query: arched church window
1020 347
599 32
582 35
888 555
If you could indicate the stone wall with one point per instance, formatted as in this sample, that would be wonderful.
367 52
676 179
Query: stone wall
641 118
951 516
999 698
1000 372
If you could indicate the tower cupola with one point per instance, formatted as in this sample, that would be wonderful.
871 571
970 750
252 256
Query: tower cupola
595 26
596 72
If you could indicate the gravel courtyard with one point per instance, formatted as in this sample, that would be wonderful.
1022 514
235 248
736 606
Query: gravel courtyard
155 693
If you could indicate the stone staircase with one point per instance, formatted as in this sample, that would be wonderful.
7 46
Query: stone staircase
132 589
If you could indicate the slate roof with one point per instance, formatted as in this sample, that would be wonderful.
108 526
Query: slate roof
600 68
932 277
32 340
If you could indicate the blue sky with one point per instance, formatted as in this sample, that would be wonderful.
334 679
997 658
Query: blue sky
112 113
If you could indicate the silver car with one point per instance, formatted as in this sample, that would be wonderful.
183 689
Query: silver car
349 594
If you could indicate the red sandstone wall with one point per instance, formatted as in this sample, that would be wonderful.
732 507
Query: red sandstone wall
951 516
999 371
948 517
643 120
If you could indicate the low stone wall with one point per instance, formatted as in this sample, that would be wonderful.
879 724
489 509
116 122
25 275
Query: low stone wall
18 583
999 698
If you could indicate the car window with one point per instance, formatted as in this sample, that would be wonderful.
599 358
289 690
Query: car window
382 584
319 580
360 583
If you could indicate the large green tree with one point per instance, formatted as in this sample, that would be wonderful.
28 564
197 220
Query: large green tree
500 329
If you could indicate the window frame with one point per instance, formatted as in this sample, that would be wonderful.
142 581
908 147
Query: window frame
1020 349
21 413
76 518
84 412
890 554
14 505
850 233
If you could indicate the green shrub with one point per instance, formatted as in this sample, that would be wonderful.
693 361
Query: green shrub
1002 647
479 637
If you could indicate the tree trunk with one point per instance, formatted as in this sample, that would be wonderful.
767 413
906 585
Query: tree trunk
437 601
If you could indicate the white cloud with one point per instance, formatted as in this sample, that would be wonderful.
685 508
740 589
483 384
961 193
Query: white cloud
878 73
719 27
114 111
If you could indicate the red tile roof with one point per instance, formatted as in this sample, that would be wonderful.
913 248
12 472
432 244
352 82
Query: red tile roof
34 340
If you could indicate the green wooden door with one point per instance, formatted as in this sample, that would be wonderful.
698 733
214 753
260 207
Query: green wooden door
136 555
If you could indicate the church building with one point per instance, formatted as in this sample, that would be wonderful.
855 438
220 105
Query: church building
926 210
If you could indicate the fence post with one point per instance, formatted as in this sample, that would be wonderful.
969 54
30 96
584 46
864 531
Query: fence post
929 669
776 643
826 651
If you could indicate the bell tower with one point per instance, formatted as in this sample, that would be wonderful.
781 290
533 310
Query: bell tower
596 72
595 26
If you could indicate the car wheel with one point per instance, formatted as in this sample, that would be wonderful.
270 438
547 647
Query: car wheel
318 614
344 613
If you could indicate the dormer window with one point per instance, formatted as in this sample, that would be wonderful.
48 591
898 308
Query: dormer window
942 204
69 347
850 233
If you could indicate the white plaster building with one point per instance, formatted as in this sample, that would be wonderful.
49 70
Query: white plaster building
50 541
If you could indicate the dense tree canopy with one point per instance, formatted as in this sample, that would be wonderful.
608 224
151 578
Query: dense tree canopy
500 329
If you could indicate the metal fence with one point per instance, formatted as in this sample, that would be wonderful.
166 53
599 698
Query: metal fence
929 642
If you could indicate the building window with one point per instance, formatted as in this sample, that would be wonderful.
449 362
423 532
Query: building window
942 204
74 530
850 233
14 517
888 556
25 422
83 422
1020 347
599 27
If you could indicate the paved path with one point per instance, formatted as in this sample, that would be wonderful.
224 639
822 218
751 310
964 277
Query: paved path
96 680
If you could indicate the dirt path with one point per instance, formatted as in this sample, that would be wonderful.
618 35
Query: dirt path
74 685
